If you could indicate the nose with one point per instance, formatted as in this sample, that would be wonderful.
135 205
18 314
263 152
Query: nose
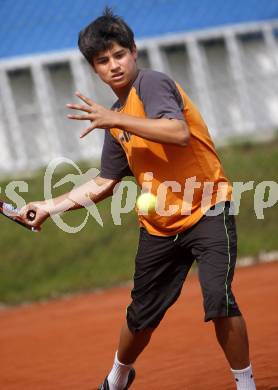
114 64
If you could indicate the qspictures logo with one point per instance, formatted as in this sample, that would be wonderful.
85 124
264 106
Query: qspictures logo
125 193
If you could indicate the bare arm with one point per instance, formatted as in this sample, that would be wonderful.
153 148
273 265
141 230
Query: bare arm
169 131
91 192
88 193
162 130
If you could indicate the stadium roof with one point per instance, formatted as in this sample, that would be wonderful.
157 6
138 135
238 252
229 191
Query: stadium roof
32 26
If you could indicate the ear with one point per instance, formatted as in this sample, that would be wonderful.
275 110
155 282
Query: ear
134 52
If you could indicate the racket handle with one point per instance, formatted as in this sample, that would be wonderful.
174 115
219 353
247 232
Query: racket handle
31 215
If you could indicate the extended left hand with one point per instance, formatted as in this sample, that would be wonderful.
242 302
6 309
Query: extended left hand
99 116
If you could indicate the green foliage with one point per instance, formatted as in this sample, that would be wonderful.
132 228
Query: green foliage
51 263
253 162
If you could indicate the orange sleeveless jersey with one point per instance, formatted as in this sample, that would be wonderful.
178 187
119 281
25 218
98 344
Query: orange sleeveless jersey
184 179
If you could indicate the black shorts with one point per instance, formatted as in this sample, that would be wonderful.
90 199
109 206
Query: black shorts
162 264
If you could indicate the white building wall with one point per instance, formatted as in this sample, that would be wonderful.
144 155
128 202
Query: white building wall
230 73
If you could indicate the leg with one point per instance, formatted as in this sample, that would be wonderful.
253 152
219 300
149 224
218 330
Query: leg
160 270
214 244
132 344
232 336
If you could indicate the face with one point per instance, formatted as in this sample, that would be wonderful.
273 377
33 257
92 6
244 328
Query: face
116 66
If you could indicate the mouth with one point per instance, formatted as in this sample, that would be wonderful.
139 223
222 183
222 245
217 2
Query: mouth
117 76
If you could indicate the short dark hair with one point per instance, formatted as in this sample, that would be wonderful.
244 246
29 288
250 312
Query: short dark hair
101 33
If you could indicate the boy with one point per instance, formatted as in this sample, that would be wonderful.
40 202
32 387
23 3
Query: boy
156 134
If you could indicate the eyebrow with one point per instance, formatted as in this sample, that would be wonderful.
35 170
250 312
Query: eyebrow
105 57
119 51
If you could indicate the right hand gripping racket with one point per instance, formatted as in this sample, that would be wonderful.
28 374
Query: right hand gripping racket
12 213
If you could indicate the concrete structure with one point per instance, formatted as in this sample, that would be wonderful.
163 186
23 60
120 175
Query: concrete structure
225 57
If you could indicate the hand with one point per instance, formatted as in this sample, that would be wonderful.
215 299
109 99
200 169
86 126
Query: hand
100 117
40 210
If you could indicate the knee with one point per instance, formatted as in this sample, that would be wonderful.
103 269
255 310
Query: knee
220 304
140 321
144 334
230 322
139 328
220 320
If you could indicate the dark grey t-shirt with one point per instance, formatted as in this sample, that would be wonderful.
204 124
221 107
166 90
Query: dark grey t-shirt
161 99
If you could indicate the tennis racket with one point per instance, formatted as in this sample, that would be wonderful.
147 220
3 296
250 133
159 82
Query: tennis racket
9 211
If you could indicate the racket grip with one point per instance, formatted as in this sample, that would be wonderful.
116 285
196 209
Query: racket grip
31 215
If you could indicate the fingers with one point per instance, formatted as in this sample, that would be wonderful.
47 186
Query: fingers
87 131
28 212
80 107
24 217
31 212
80 117
83 108
89 109
84 98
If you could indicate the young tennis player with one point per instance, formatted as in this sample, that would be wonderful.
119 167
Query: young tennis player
155 133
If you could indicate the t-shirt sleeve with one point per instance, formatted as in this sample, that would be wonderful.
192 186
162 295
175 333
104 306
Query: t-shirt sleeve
160 96
114 164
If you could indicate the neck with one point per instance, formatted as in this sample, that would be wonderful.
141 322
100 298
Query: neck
122 93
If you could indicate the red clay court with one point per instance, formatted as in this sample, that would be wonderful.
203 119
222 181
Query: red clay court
69 344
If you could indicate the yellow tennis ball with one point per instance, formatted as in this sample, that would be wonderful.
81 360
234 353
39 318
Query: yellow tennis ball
146 203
